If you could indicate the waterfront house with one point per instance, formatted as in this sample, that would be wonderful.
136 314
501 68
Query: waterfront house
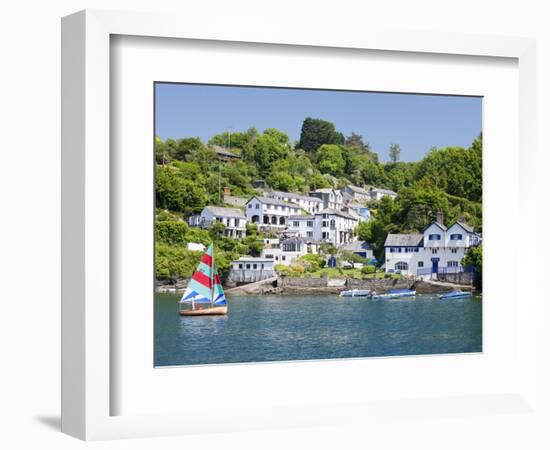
270 212
309 204
438 250
357 193
248 269
288 250
329 226
331 198
233 219
379 193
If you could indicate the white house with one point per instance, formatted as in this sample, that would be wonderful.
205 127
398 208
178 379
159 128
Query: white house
329 225
357 193
331 198
309 204
288 250
248 269
270 212
438 250
378 193
233 219
360 248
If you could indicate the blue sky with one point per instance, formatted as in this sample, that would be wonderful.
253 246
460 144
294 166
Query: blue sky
415 122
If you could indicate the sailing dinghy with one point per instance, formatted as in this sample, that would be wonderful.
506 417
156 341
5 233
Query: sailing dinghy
204 295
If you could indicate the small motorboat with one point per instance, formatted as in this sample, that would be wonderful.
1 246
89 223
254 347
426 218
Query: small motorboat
393 294
454 294
355 293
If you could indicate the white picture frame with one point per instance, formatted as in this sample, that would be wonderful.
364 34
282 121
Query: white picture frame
87 328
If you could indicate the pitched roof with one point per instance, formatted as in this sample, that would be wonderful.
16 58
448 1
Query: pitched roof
273 201
404 240
467 227
436 223
357 189
383 191
223 152
336 213
357 246
225 212
292 195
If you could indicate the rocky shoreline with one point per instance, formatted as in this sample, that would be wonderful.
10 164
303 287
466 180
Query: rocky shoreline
311 286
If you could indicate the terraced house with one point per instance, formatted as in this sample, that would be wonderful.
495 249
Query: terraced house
270 212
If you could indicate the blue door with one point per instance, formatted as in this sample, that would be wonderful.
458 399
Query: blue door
435 264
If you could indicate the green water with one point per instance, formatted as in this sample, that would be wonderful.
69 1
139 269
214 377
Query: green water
284 328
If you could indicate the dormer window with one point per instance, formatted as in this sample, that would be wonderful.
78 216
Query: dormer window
434 237
456 237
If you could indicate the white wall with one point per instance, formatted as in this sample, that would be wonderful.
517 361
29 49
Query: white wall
30 111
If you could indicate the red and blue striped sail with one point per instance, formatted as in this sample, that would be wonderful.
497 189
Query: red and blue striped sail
219 295
199 289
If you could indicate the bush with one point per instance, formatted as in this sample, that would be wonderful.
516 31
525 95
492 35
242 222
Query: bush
368 269
311 262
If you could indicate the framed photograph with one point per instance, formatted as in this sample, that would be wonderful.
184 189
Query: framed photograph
299 229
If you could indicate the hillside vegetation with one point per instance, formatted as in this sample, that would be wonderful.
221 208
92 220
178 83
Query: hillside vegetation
188 171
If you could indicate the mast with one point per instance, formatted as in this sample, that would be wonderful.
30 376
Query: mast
212 276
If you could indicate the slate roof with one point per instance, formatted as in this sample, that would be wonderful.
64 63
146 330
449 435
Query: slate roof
293 195
301 217
226 212
383 191
357 189
336 213
404 240
357 246
467 227
274 201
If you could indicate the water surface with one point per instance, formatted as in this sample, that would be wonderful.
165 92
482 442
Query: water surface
283 328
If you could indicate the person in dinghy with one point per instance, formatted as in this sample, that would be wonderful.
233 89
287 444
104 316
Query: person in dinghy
204 295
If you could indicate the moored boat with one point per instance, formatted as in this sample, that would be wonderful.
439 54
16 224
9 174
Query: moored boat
355 293
455 294
393 294
204 295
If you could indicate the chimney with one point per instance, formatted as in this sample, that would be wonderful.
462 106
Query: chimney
226 191
440 218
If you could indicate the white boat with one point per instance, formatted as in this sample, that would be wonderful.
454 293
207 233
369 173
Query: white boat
355 293
455 294
393 294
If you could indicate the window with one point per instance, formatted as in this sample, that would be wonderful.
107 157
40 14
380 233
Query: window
399 249
456 237
284 258
434 251
416 249
391 249
262 266
434 237
249 205
269 256
420 264
254 266
401 266
248 266
309 234
309 223
452 263
325 223
454 250
240 266
257 206
295 223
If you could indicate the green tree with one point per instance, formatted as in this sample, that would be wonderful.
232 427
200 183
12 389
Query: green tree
187 146
331 160
474 258
267 150
316 132
395 152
